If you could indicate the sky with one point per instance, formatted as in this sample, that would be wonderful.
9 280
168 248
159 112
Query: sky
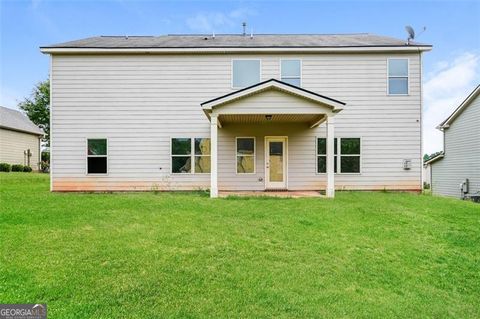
451 70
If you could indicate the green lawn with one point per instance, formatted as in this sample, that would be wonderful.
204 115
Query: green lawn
144 255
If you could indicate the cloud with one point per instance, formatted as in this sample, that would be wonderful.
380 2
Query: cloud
216 21
446 87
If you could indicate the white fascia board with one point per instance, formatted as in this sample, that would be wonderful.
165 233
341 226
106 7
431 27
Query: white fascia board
234 50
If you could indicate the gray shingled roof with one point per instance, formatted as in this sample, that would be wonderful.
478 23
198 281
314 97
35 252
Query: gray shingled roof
234 41
15 120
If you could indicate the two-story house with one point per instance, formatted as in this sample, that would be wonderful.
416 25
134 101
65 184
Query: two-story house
236 112
455 172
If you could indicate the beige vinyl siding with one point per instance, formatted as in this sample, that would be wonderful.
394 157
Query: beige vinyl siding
462 154
139 102
14 143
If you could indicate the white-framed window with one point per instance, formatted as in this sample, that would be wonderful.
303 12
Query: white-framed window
291 71
347 155
245 72
97 156
398 76
190 155
245 153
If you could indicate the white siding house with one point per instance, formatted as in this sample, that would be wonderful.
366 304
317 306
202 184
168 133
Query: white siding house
460 160
234 113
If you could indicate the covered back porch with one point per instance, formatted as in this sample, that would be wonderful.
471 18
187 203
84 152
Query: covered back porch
276 116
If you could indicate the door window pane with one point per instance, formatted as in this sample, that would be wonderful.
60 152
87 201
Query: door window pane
276 148
245 73
276 161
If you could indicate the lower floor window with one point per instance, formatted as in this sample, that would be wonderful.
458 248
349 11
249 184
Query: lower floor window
347 153
190 155
97 156
245 153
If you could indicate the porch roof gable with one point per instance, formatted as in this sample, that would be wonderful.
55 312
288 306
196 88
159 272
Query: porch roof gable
334 105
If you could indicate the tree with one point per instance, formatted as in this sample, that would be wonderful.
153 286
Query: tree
37 108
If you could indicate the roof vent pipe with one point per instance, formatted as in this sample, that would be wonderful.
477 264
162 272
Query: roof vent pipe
213 35
244 25
251 34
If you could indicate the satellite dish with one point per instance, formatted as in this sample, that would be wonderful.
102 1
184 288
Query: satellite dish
411 33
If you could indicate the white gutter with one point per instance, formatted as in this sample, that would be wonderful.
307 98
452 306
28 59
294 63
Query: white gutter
49 50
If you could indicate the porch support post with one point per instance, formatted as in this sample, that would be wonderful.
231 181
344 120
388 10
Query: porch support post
330 157
213 155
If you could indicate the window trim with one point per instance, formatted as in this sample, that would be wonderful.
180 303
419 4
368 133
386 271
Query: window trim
87 156
246 59
398 77
254 155
301 70
339 155
192 155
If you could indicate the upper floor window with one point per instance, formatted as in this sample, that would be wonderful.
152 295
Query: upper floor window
398 76
291 72
245 73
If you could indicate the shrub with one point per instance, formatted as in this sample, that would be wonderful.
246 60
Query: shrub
44 166
17 168
5 167
27 169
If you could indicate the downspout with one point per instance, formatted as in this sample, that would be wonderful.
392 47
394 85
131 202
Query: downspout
421 122
39 160
50 168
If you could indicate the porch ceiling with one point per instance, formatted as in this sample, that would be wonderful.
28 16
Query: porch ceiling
309 119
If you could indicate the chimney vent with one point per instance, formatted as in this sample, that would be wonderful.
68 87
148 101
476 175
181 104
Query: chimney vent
244 25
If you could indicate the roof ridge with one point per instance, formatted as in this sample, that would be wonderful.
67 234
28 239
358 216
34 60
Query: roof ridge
127 35
272 34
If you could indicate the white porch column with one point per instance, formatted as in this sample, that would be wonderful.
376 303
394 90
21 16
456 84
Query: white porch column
330 157
213 155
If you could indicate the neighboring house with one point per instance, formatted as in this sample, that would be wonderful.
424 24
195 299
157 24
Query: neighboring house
236 112
427 174
459 163
20 139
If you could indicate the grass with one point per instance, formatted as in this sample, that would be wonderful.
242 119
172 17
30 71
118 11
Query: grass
146 255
